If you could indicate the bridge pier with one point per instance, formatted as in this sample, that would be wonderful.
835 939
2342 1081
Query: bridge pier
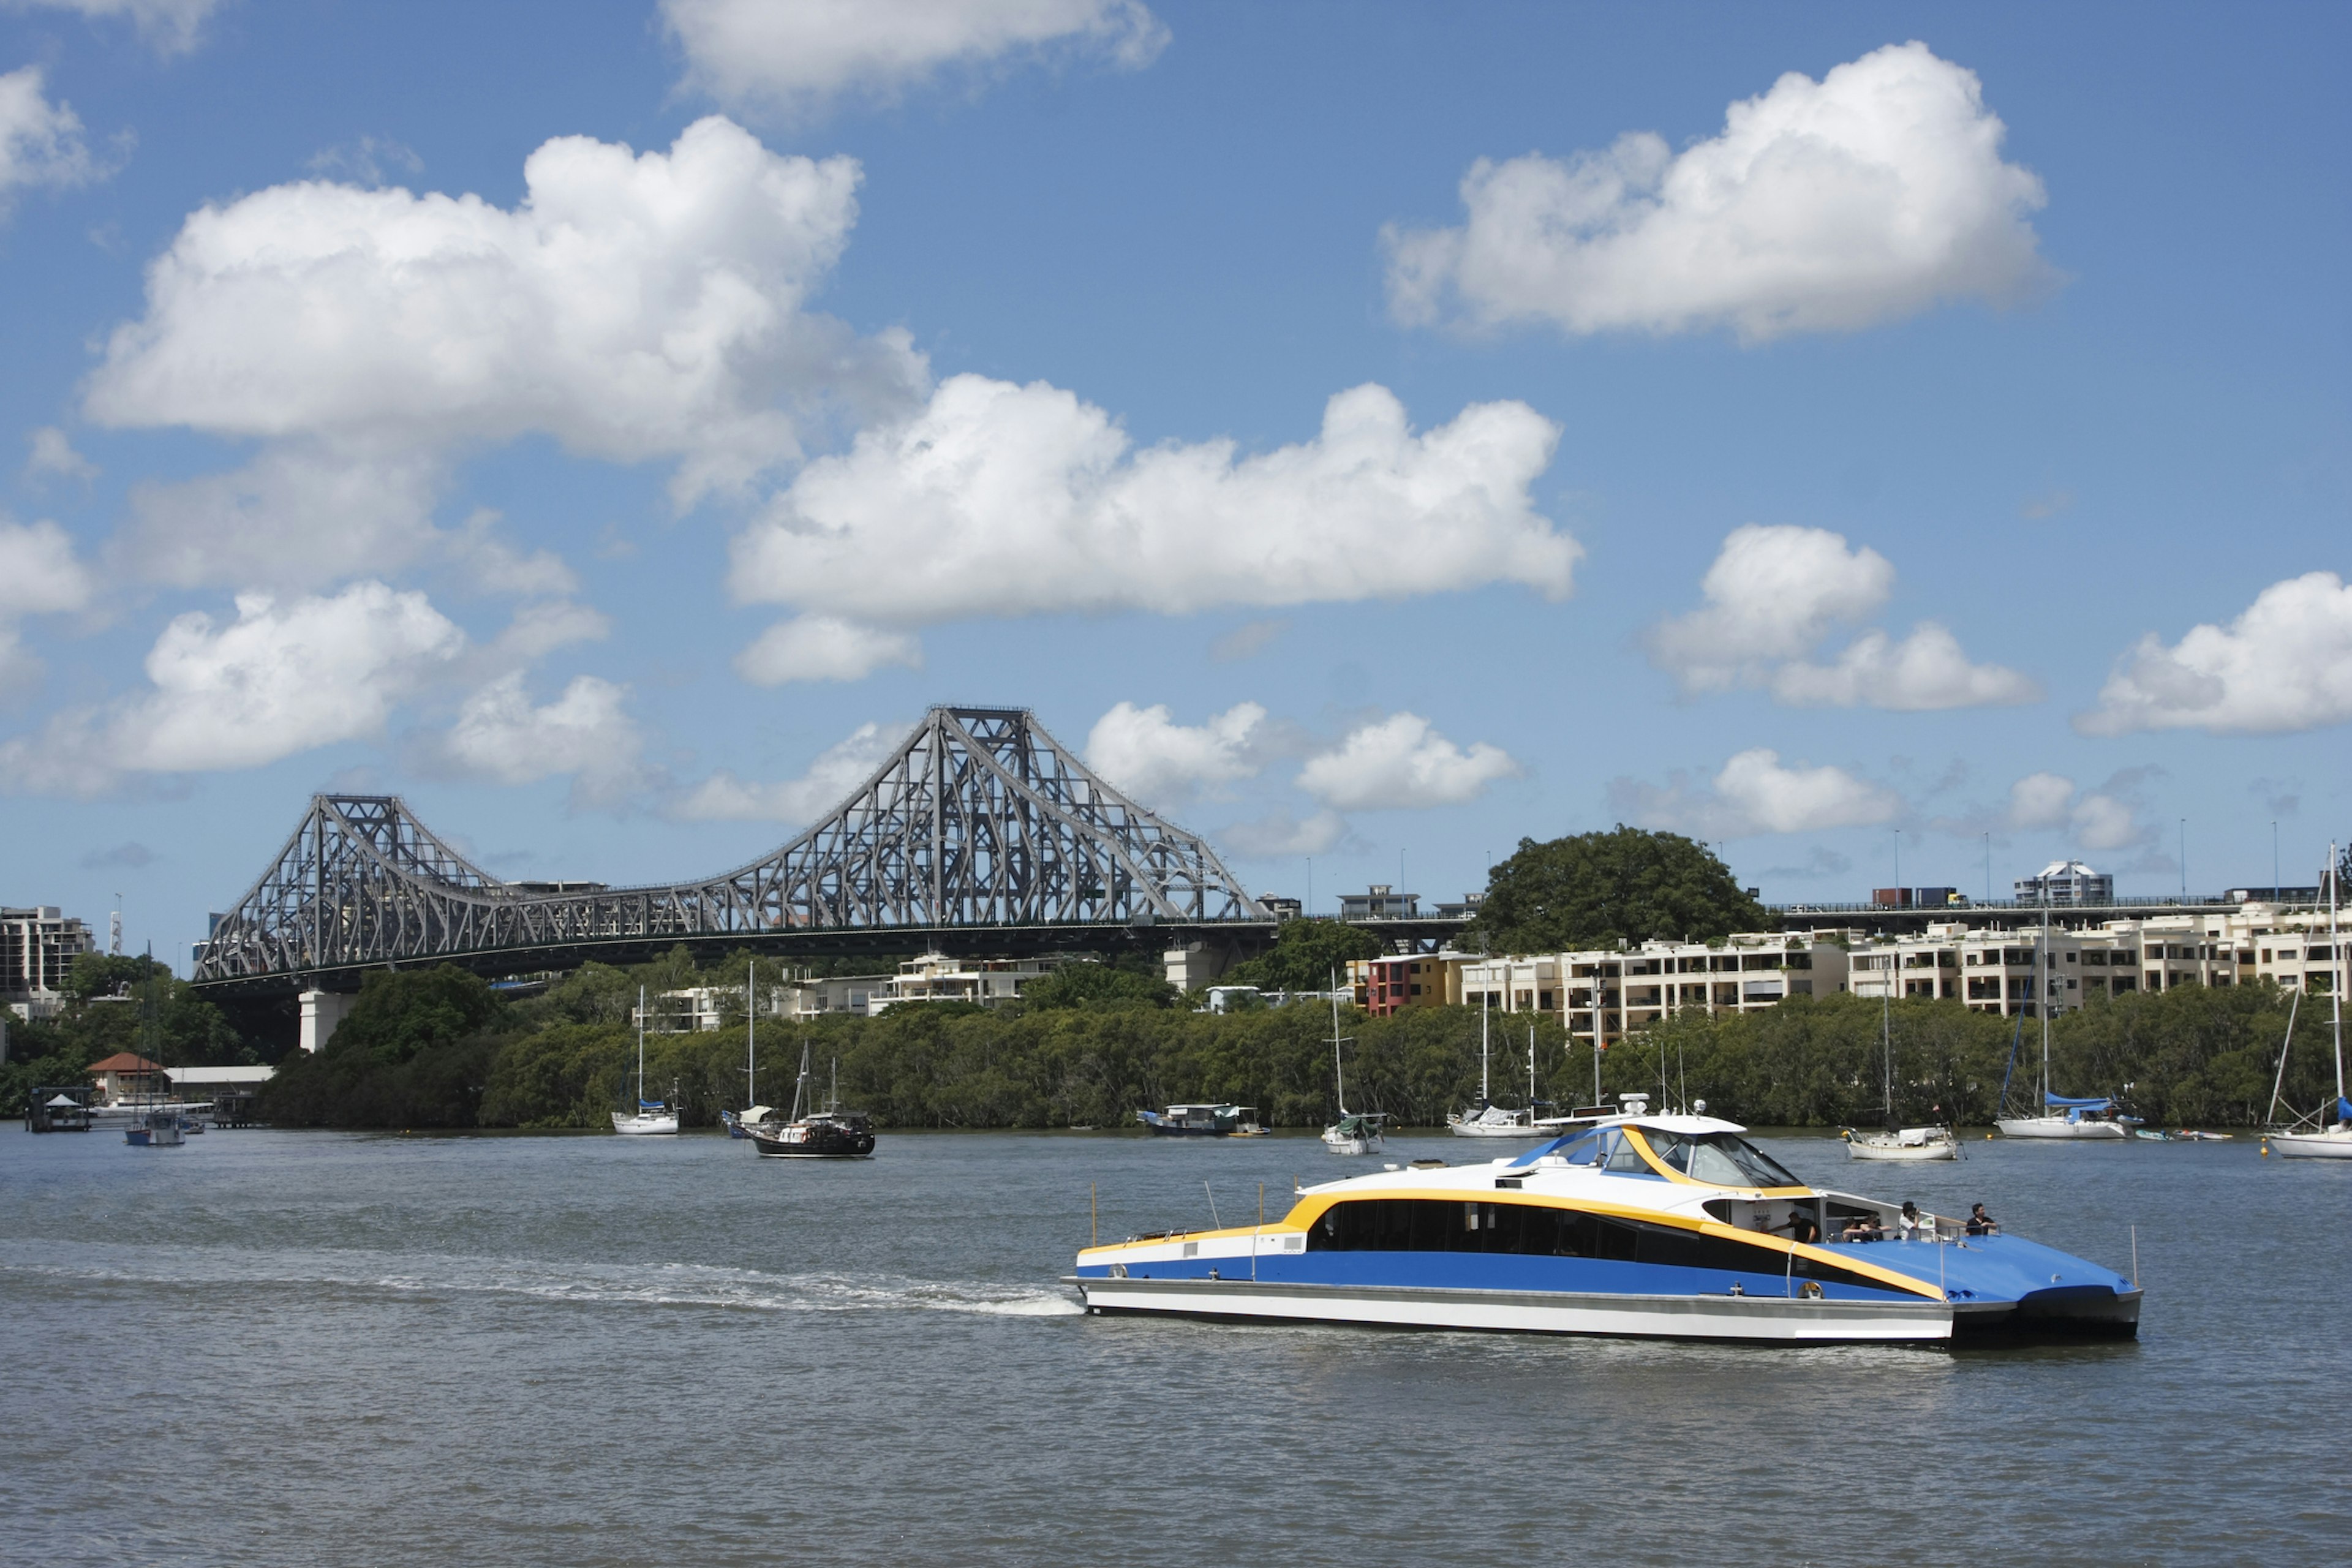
323 1013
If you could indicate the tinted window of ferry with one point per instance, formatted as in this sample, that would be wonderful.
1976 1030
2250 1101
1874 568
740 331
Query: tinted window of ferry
1723 1158
1429 1224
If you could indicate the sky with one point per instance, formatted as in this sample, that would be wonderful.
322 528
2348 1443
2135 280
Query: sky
1894 444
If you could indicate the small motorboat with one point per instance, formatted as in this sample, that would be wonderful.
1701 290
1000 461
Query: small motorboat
2191 1135
1669 1226
1204 1121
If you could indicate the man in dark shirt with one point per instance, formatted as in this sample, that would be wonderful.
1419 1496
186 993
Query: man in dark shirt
1982 1223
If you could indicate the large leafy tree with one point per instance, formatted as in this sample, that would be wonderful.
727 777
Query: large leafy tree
1594 890
1305 955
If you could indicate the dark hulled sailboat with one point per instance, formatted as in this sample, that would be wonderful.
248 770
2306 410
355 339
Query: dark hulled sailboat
828 1134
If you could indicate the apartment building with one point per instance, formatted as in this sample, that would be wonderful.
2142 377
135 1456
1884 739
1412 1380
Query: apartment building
1392 985
1611 995
37 949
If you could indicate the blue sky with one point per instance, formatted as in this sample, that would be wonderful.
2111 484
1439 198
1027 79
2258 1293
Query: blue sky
603 424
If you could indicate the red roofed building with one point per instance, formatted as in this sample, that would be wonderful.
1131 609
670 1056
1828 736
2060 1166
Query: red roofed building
123 1076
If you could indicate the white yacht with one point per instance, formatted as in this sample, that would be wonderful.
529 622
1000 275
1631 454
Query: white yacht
1898 1143
1356 1132
1488 1119
2094 1117
652 1116
2317 1136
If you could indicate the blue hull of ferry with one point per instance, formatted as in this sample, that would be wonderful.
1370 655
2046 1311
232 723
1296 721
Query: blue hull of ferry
1992 1283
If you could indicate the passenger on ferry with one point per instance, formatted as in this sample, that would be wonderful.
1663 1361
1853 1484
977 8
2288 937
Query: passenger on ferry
1862 1227
1801 1227
1912 1224
1982 1223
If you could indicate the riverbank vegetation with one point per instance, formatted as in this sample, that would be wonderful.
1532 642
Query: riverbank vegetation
116 1003
439 1048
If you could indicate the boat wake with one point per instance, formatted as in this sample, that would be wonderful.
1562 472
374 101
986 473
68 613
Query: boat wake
441 1276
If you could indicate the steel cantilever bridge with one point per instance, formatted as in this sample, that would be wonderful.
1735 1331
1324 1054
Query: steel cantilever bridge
980 835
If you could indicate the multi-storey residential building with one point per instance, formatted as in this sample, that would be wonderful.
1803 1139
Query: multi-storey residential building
1510 985
37 949
1386 986
1624 991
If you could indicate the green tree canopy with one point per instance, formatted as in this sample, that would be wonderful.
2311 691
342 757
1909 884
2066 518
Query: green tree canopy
1305 956
403 1012
1096 985
1593 889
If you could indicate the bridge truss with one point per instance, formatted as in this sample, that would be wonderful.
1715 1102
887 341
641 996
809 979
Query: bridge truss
979 831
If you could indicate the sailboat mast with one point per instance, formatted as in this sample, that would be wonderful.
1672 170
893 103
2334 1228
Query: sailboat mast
1886 1044
641 1050
2041 990
1485 1002
1338 1082
2336 970
1531 1074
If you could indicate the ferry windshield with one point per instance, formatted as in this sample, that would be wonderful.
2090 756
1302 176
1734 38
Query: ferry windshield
1722 1159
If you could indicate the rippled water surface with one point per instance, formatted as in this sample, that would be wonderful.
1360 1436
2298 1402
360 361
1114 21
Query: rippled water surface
299 1348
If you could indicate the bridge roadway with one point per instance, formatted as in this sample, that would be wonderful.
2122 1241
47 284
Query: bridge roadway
1235 941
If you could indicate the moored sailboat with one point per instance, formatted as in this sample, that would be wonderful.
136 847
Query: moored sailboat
651 1116
1486 1118
2317 1136
831 1134
1356 1133
1898 1143
2092 1117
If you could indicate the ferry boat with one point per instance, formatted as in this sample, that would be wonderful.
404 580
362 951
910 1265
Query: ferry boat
1667 1227
1204 1121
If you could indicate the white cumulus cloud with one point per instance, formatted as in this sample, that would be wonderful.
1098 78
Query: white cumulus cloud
825 648
1922 672
799 55
586 732
1282 834
2284 665
1000 499
2106 818
52 452
39 575
1829 205
634 307
171 25
279 679
1402 760
41 142
1757 794
1774 593
1149 757
840 769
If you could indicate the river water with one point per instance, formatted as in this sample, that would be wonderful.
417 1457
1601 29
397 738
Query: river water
319 1349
